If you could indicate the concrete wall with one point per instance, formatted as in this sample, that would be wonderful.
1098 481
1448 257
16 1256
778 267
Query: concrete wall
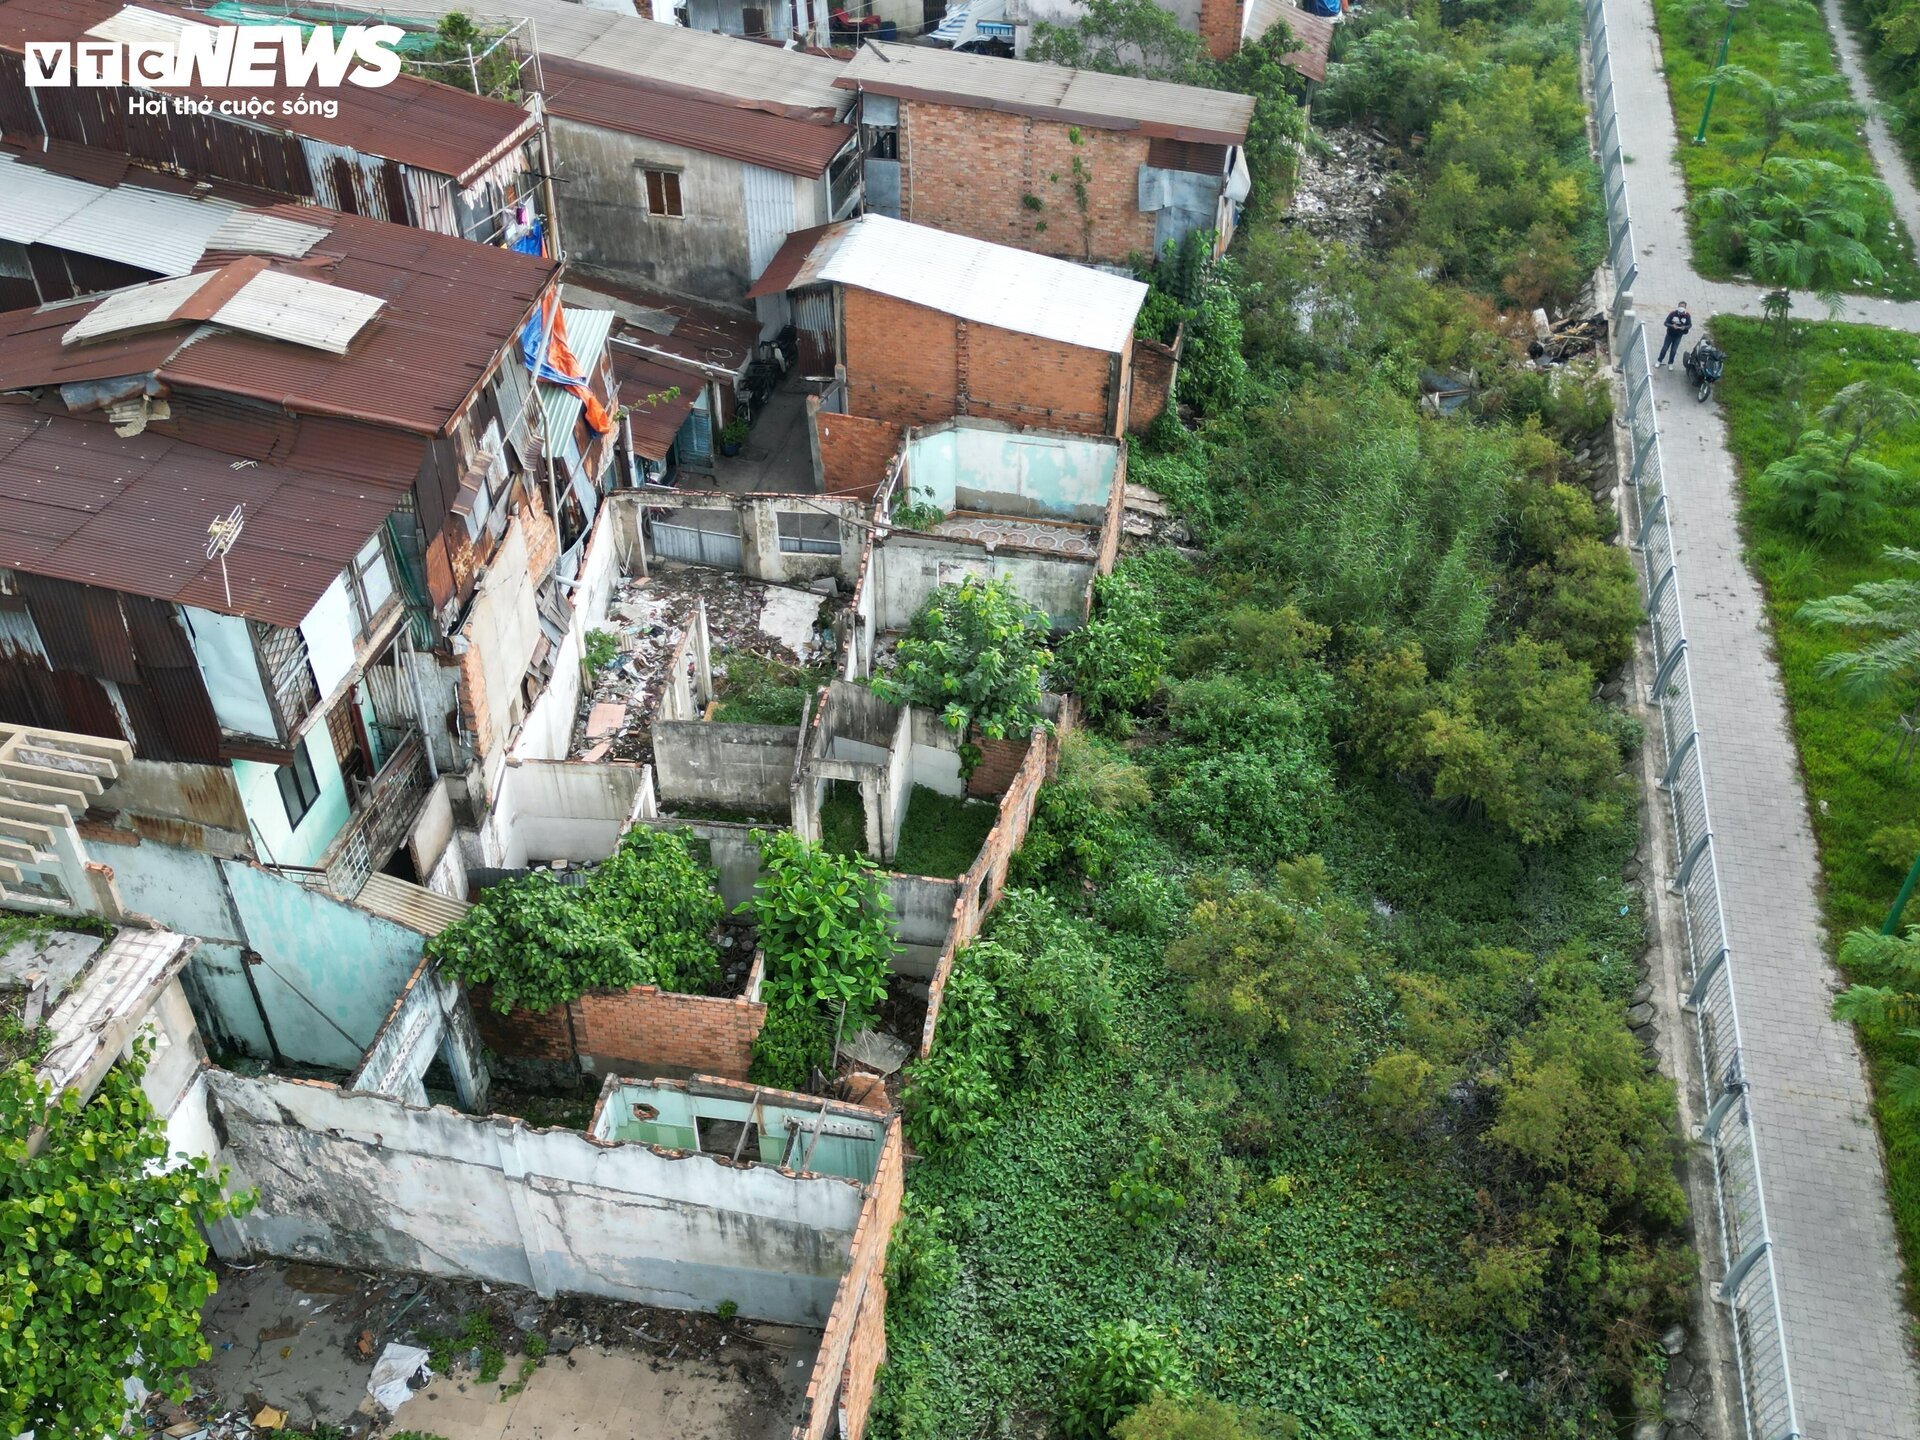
936 755
179 804
603 212
558 810
908 567
281 843
740 767
1003 471
548 730
758 519
430 1020
370 1183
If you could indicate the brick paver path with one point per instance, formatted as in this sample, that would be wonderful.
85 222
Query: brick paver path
1853 1371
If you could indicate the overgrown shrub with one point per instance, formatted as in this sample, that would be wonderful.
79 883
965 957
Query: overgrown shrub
1122 1364
1201 1418
1586 601
537 944
658 898
1114 662
825 927
921 1260
795 1041
975 654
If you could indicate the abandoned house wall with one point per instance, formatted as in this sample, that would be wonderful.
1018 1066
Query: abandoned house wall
179 803
854 1344
737 767
558 810
856 454
549 724
782 539
1002 471
1155 369
370 1183
909 566
430 1020
923 908
322 974
936 754
496 647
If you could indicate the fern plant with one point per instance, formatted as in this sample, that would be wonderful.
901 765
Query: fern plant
1886 1004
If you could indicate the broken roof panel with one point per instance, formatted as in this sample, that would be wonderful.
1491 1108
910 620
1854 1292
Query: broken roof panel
448 309
974 280
416 122
671 329
1314 33
587 332
79 502
655 422
694 60
152 229
615 100
1050 92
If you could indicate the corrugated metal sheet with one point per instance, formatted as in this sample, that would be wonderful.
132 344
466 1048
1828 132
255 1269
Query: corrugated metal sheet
1050 92
769 200
972 279
1314 32
253 232
1187 155
414 121
672 328
595 95
587 332
417 908
813 321
654 425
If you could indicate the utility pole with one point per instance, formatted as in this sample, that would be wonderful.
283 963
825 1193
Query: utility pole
1734 7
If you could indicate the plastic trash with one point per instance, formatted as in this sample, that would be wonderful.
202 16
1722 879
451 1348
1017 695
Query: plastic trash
397 1365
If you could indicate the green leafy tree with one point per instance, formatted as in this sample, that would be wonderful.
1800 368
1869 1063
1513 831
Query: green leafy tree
1814 108
1585 601
459 55
825 926
1887 666
103 1266
1122 1364
1287 963
655 895
1801 224
1826 487
975 653
1885 1004
1121 37
1114 662
537 944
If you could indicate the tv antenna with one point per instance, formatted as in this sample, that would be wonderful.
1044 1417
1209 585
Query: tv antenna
221 535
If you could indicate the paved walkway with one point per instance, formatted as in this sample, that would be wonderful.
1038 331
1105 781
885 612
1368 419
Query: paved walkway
1834 1250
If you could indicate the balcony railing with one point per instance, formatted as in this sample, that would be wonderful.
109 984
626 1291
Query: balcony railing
382 816
283 650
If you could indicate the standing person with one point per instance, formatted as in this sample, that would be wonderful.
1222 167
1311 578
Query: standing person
1679 322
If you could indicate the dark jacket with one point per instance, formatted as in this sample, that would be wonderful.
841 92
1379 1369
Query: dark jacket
1679 321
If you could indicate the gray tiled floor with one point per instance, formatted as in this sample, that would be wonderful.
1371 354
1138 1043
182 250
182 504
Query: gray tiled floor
1834 1250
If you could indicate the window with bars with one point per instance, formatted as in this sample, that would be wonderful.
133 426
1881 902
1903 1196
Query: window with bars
663 194
299 786
369 582
283 650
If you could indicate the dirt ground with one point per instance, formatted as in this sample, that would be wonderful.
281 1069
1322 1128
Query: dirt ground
303 1339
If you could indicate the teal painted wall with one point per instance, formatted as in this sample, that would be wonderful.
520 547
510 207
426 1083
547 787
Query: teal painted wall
260 793
1052 476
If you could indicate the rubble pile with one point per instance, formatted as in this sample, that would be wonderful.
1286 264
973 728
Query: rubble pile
1340 194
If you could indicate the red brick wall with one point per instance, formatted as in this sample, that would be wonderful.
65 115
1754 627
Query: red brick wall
969 171
1154 368
543 538
644 1026
1220 22
1000 761
856 454
853 1345
648 1026
915 366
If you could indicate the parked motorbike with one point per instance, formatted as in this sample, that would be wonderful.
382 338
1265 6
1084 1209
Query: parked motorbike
1704 363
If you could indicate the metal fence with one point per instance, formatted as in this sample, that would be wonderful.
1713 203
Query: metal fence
1749 1286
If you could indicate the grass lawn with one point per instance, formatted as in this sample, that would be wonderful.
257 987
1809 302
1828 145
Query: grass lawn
1857 797
943 833
1690 40
843 819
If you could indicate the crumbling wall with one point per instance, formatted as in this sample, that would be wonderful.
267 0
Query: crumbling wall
370 1183
856 454
854 1344
430 1020
549 724
558 810
739 767
1155 369
910 566
1003 470
653 1031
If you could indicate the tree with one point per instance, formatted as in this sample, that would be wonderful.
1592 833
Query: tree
657 897
537 944
1121 37
460 55
975 652
1801 224
103 1267
1813 108
1885 1004
826 927
1886 666
1114 662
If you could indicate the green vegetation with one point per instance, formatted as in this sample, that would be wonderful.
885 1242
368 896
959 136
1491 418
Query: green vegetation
1890 30
1780 96
1862 802
757 691
469 56
599 650
646 916
942 834
974 654
103 1265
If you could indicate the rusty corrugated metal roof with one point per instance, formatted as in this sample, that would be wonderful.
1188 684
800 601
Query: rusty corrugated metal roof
671 328
594 95
451 307
654 426
1313 32
1050 92
80 503
416 122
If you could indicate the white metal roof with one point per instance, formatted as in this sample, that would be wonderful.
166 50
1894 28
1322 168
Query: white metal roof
978 281
289 308
139 307
248 232
152 229
587 332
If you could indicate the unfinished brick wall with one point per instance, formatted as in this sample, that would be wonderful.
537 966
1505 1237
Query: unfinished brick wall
971 172
1220 24
856 454
1155 367
853 1345
1000 762
910 365
645 1026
